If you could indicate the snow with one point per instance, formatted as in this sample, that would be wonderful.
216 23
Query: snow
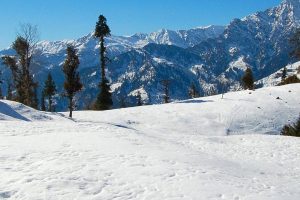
238 64
206 148
275 78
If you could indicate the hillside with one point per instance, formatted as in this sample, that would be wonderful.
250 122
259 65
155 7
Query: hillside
275 78
206 148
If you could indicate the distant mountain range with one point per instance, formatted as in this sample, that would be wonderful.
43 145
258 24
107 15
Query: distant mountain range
213 58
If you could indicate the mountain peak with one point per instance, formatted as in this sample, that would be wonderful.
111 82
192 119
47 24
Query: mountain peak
291 2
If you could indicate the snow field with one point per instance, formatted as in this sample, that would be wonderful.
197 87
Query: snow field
206 148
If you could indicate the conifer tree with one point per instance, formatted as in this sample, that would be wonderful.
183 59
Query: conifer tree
284 74
166 96
248 80
49 91
104 98
72 82
193 93
43 106
35 102
139 99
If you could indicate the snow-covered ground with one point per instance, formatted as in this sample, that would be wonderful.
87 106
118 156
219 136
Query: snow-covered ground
275 78
206 148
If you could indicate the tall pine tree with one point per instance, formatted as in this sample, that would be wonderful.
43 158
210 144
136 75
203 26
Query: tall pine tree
248 80
49 91
72 82
104 98
139 99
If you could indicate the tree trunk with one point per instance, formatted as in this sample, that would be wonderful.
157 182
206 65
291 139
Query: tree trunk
102 58
50 104
71 106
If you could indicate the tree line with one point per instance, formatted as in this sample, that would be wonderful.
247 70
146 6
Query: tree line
25 88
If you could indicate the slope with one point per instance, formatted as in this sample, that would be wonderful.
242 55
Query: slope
174 151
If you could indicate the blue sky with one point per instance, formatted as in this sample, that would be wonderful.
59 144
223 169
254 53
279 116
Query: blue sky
70 19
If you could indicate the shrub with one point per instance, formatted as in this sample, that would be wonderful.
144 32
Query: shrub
292 130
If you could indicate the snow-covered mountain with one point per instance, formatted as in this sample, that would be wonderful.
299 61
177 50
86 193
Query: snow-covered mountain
205 148
213 58
260 41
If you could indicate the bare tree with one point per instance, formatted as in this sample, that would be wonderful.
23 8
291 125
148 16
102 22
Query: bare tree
30 33
20 64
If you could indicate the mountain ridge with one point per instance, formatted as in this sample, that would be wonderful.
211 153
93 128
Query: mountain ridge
258 41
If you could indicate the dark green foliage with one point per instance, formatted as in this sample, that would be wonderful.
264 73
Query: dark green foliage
248 80
43 106
72 82
166 95
35 103
193 93
295 43
104 99
49 91
290 80
292 130
102 30
139 99
284 74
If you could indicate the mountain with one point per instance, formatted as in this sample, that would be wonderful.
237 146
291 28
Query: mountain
213 58
260 41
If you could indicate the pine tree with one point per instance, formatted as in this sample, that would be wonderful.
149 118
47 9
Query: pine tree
139 99
72 82
49 91
284 74
248 80
193 93
35 103
104 99
43 106
166 96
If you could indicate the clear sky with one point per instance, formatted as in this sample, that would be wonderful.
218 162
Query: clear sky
70 19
